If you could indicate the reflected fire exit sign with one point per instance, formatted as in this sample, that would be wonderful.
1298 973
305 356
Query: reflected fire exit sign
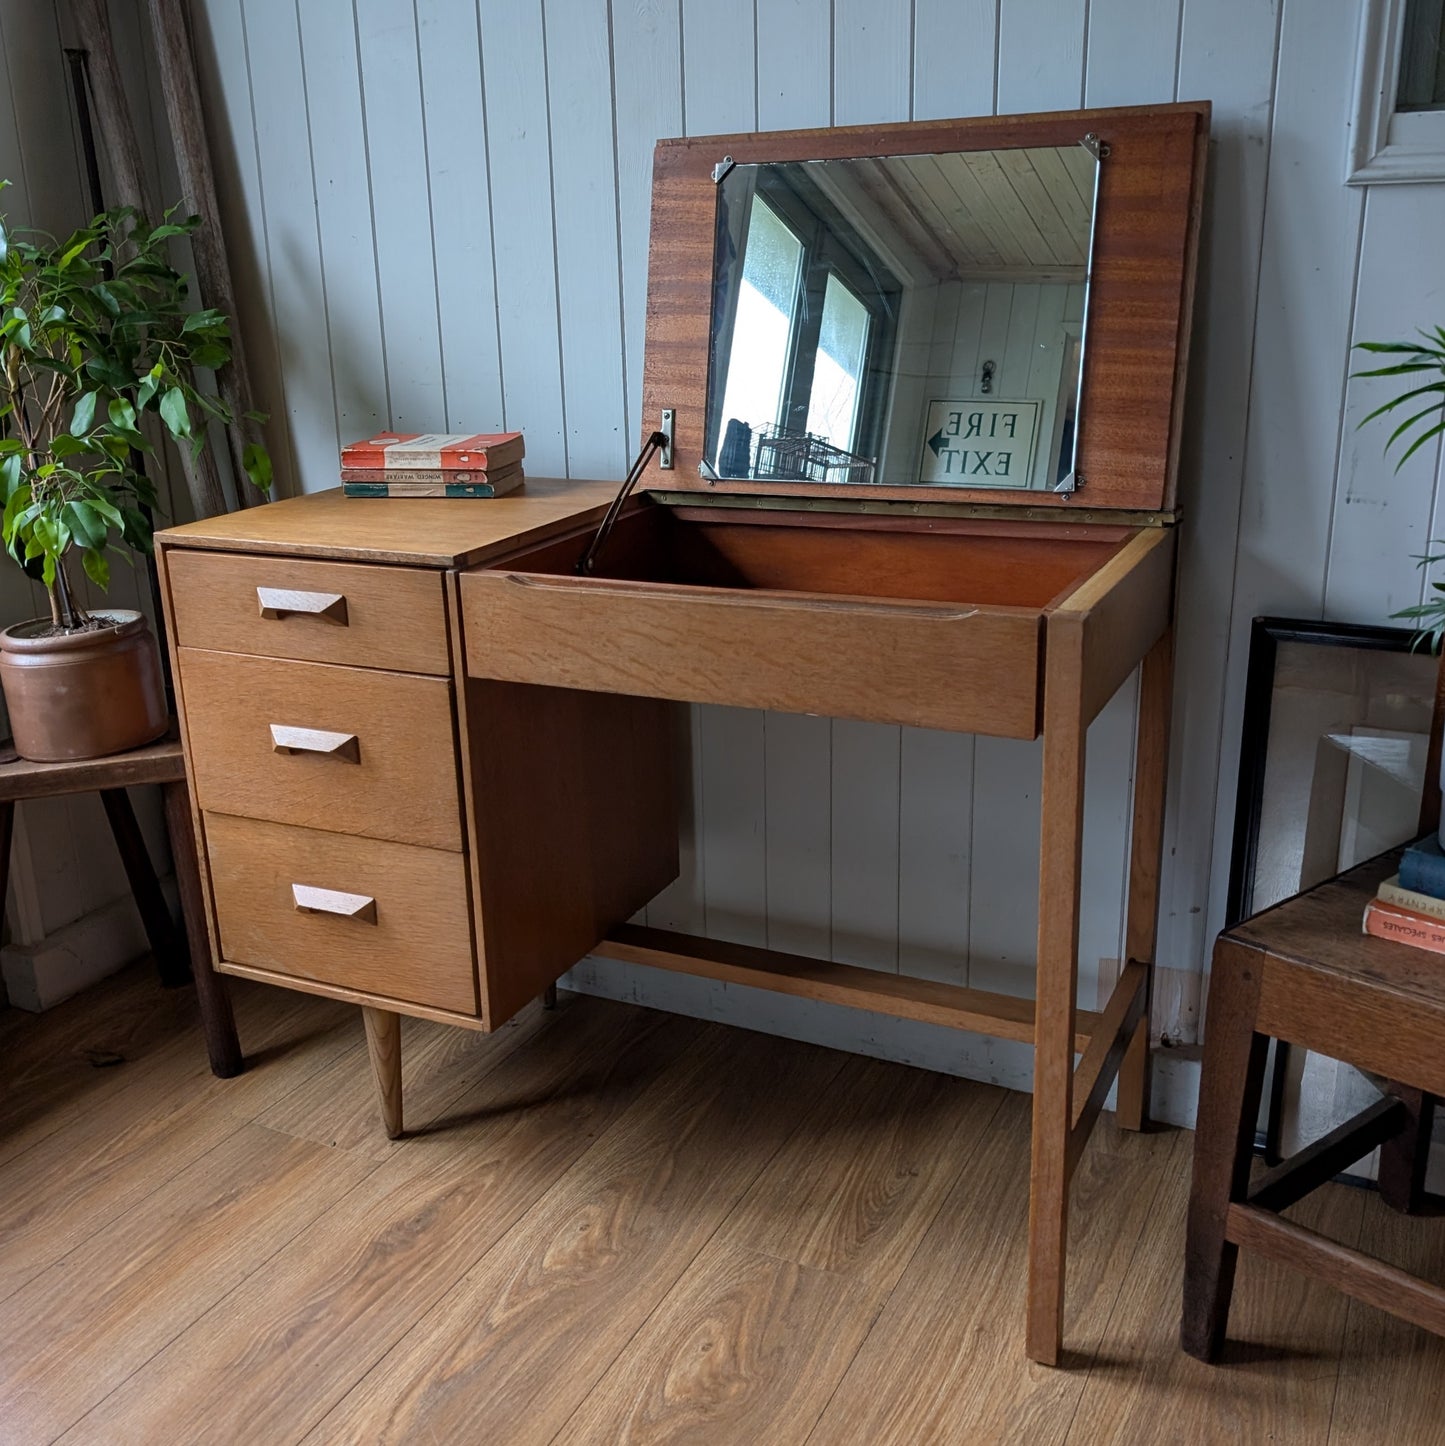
980 443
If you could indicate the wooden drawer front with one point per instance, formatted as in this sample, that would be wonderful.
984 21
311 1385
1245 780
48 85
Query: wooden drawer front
324 612
973 670
383 918
345 749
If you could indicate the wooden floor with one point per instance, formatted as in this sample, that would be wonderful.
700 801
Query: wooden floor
606 1225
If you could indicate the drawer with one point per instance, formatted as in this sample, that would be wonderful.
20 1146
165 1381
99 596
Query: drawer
973 669
322 612
357 913
352 750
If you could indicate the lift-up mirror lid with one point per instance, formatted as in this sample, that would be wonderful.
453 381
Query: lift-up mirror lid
986 311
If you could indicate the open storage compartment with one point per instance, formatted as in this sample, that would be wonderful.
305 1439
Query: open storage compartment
931 622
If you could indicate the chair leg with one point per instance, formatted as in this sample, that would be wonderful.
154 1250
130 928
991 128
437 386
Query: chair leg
218 1023
1229 1092
383 1043
160 930
1404 1159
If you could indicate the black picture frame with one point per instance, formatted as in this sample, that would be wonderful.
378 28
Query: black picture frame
1267 634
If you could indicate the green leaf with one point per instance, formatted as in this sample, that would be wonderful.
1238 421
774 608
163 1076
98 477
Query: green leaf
4 239
84 413
208 320
257 462
122 414
106 297
86 524
174 413
1419 442
97 569
1405 397
10 474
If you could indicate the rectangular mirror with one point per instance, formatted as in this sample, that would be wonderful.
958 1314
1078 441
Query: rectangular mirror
902 321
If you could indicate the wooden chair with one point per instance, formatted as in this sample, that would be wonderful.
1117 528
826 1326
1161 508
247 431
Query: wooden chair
1304 972
161 763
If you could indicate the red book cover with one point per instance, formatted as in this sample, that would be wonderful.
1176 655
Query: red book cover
434 451
1404 926
495 475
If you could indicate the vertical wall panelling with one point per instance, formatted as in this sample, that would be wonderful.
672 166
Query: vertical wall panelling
872 81
514 67
872 61
733 822
954 54
718 65
795 90
795 64
225 85
1307 282
457 131
401 212
646 105
719 58
1133 51
1227 53
584 200
1382 517
295 261
1041 54
343 222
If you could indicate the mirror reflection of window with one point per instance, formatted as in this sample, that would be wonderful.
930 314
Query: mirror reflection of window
763 326
838 370
1422 57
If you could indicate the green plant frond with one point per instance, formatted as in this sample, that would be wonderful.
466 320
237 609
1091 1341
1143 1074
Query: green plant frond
1419 442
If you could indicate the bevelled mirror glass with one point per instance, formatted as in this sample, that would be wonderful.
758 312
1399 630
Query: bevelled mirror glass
904 320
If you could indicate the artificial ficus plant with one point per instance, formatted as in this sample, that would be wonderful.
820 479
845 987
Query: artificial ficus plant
95 333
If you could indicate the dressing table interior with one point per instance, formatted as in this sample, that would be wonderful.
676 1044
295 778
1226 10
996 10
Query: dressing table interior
917 394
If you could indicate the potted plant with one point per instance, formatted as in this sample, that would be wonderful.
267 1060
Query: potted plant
94 333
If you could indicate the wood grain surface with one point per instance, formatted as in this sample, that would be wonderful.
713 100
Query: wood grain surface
393 616
418 949
608 1224
421 531
402 786
1151 190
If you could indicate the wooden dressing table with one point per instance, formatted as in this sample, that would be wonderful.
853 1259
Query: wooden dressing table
433 764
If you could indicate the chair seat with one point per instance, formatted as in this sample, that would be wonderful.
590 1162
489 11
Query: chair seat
1330 987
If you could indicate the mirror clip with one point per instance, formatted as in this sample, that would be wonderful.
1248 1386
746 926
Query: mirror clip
720 171
1091 143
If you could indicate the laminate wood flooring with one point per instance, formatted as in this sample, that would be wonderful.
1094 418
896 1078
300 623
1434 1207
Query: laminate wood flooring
607 1224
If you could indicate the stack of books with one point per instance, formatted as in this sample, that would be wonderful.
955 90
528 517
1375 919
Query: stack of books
1409 907
433 464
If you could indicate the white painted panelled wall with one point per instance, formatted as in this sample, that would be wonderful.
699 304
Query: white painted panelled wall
439 215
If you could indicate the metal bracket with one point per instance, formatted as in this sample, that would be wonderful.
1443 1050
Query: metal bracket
1095 147
720 171
664 456
1071 484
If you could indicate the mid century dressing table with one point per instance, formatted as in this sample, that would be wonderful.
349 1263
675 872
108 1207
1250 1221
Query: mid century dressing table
917 392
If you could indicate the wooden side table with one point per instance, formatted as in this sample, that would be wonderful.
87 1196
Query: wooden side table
1303 972
163 763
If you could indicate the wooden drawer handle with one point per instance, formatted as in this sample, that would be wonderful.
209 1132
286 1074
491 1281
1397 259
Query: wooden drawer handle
311 900
285 602
346 746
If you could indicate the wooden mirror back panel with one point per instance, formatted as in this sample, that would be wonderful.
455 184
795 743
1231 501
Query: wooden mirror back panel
1133 338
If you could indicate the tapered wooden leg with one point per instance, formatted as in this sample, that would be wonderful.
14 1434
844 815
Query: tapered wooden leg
1059 861
549 997
1229 1090
383 1042
218 1023
165 942
1141 931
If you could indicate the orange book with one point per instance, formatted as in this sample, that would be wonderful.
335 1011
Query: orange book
434 451
1404 926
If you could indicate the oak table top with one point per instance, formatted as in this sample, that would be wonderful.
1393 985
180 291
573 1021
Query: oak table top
440 532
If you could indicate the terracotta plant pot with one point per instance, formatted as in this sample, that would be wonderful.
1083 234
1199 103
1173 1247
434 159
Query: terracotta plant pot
82 695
